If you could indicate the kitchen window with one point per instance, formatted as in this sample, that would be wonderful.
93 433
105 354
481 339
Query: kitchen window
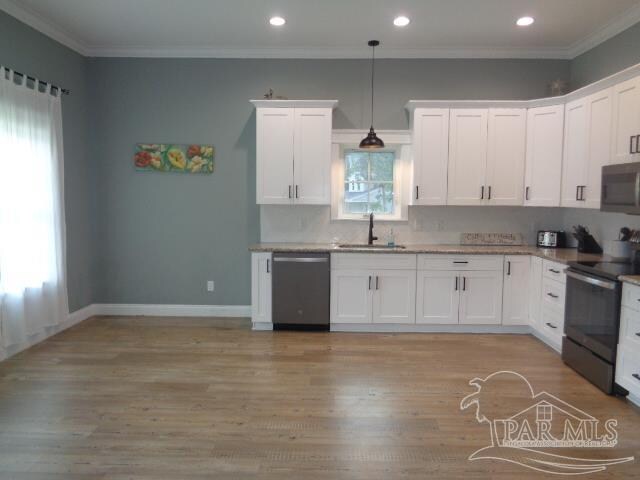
367 181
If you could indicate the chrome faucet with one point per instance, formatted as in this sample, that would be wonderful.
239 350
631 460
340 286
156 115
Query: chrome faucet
371 237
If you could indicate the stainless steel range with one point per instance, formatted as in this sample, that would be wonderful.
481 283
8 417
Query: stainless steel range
592 320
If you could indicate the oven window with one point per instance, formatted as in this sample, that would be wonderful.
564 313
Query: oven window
591 316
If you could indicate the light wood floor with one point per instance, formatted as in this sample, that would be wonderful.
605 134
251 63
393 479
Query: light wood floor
159 399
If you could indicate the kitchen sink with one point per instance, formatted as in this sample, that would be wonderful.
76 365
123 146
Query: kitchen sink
364 245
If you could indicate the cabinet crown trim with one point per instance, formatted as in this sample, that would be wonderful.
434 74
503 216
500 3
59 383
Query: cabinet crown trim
263 103
607 82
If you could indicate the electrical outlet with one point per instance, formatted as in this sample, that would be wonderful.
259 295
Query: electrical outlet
210 286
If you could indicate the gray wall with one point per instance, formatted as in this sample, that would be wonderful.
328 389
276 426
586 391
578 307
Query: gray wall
609 57
163 235
154 238
26 50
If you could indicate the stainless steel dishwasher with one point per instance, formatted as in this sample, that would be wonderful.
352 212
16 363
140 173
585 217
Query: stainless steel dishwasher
301 289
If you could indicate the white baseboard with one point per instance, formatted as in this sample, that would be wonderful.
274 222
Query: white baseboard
262 326
415 328
148 310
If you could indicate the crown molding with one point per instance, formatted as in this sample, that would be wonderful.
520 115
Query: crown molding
610 30
328 53
43 26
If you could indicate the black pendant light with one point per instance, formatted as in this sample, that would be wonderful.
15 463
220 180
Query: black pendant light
372 140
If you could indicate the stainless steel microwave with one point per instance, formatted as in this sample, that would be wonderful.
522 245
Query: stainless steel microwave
621 188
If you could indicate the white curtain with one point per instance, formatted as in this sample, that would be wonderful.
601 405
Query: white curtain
33 294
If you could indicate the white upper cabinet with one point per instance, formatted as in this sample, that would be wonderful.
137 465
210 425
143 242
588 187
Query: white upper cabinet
430 138
312 156
506 156
600 116
587 142
274 155
626 122
467 156
544 156
574 167
293 151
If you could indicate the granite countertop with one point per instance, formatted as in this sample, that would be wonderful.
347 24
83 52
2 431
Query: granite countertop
633 279
562 255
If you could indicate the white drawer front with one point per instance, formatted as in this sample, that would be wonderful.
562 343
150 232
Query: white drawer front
373 261
460 262
553 294
628 370
630 329
554 271
552 325
631 296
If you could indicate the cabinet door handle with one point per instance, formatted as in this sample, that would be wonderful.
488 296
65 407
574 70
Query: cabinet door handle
551 325
636 376
289 191
577 192
552 295
268 267
464 284
631 139
637 334
482 192
369 282
526 193
297 196
553 270
456 286
417 192
637 143
489 197
508 267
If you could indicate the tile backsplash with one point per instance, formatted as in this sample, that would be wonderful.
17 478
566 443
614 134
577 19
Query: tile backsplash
438 224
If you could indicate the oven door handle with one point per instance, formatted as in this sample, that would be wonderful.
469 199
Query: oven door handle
592 281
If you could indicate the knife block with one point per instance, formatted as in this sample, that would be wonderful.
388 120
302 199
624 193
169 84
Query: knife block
588 244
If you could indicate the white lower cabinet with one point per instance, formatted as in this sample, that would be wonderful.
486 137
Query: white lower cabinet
394 296
438 297
351 296
458 290
515 295
628 360
547 297
361 294
481 298
261 288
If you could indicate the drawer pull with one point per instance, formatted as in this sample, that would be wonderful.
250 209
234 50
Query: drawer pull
637 334
552 295
460 261
553 270
551 325
636 376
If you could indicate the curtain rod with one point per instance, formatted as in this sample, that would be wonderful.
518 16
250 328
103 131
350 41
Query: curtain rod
41 82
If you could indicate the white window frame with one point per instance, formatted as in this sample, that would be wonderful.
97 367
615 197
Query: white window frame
398 142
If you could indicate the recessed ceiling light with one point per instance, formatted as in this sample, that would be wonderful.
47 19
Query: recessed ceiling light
277 21
525 21
401 21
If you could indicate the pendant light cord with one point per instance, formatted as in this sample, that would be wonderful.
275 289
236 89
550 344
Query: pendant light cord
373 63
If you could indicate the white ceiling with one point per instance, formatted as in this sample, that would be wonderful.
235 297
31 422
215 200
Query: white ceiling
327 28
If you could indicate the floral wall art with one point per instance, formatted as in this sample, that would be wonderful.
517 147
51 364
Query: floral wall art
174 158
